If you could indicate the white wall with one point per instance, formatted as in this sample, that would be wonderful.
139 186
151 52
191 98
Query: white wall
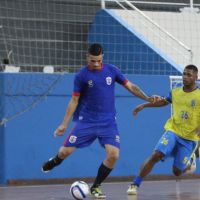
185 27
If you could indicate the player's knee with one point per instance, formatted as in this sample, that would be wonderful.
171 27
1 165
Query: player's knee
62 154
65 152
113 156
176 171
156 156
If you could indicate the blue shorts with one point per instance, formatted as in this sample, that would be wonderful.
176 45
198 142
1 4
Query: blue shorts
84 134
171 145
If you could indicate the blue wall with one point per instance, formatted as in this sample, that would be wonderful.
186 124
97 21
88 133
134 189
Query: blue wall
27 141
131 49
2 141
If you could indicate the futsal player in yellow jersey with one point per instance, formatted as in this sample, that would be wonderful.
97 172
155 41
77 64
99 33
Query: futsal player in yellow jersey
182 129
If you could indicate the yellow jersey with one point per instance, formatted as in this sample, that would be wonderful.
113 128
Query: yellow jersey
185 119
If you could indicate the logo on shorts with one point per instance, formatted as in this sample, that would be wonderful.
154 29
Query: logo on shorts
185 160
72 139
80 118
108 80
117 138
90 83
164 141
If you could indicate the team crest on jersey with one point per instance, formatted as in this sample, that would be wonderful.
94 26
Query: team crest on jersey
90 83
193 103
72 139
108 80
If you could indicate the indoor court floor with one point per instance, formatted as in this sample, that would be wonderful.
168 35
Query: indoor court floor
150 190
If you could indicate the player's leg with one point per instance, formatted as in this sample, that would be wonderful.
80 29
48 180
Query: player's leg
191 167
80 136
197 152
184 159
149 164
112 154
63 153
144 171
163 149
109 138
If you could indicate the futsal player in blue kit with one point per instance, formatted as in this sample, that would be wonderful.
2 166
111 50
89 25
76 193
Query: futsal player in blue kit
93 109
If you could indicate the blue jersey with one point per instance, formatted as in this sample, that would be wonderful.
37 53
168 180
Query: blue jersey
97 94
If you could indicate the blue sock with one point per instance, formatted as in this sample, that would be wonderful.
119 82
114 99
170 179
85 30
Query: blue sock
137 181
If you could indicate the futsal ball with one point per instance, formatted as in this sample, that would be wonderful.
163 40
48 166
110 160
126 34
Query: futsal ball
79 190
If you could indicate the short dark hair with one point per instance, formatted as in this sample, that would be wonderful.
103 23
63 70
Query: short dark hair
95 49
192 67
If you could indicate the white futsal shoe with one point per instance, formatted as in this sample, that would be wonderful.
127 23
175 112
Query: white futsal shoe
132 189
192 166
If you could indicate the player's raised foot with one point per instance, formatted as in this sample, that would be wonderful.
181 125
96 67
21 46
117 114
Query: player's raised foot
192 166
132 189
49 165
97 193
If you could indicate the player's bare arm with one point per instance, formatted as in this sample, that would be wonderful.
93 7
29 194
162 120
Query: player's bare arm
198 132
68 115
134 89
160 103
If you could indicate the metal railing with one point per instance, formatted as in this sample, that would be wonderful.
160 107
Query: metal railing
130 4
190 3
